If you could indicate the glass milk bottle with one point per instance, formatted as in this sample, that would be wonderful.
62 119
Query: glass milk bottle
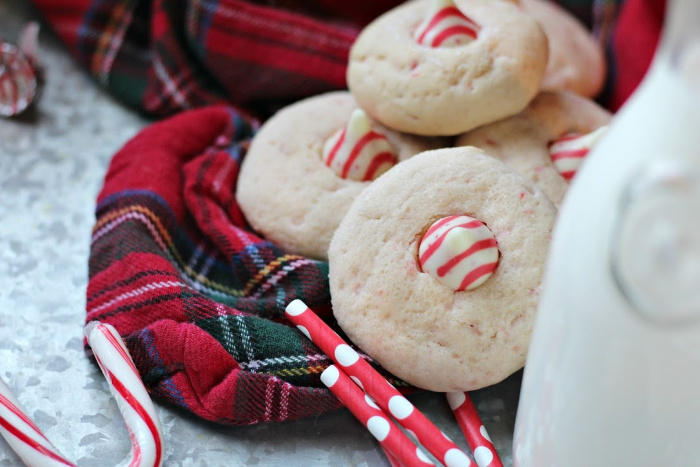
613 373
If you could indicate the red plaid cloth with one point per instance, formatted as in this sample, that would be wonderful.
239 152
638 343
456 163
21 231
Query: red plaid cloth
165 56
173 266
198 298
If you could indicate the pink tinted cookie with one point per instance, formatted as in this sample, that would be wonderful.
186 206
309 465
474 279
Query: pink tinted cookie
576 61
435 271
307 164
547 141
430 67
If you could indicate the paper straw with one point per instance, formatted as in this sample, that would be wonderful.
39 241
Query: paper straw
390 437
469 422
386 396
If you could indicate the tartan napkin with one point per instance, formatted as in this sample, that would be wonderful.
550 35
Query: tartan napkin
198 298
164 56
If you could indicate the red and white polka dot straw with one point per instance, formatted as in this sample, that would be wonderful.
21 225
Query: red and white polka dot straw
394 442
477 438
23 436
386 396
128 390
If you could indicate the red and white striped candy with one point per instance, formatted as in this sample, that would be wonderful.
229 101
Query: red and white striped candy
130 394
459 251
477 438
23 436
446 26
18 81
357 152
390 437
386 396
30 444
568 151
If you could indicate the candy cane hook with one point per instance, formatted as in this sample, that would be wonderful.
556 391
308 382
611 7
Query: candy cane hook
139 414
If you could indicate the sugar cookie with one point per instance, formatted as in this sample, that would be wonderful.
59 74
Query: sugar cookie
547 141
389 302
287 191
576 61
430 69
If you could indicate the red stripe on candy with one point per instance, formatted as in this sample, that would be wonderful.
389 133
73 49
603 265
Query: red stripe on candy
438 242
115 343
475 274
377 162
21 415
14 431
439 16
568 175
459 29
476 247
138 408
357 149
336 148
569 154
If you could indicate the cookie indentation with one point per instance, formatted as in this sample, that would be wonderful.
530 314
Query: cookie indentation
459 251
568 151
446 26
357 152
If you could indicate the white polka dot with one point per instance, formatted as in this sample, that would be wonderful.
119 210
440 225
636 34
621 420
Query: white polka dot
357 381
455 399
345 355
456 458
400 407
379 427
422 457
483 456
304 331
330 376
296 308
371 402
483 432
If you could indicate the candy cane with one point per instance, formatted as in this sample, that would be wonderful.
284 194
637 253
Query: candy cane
23 436
19 72
469 422
128 390
142 422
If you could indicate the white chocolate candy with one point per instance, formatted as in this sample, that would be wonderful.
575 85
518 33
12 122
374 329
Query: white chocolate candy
568 151
446 26
459 251
357 152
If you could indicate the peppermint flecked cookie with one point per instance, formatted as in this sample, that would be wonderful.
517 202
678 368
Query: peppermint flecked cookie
547 141
433 67
307 164
436 269
576 61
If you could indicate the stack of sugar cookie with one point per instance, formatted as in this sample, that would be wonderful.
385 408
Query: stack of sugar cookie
432 186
